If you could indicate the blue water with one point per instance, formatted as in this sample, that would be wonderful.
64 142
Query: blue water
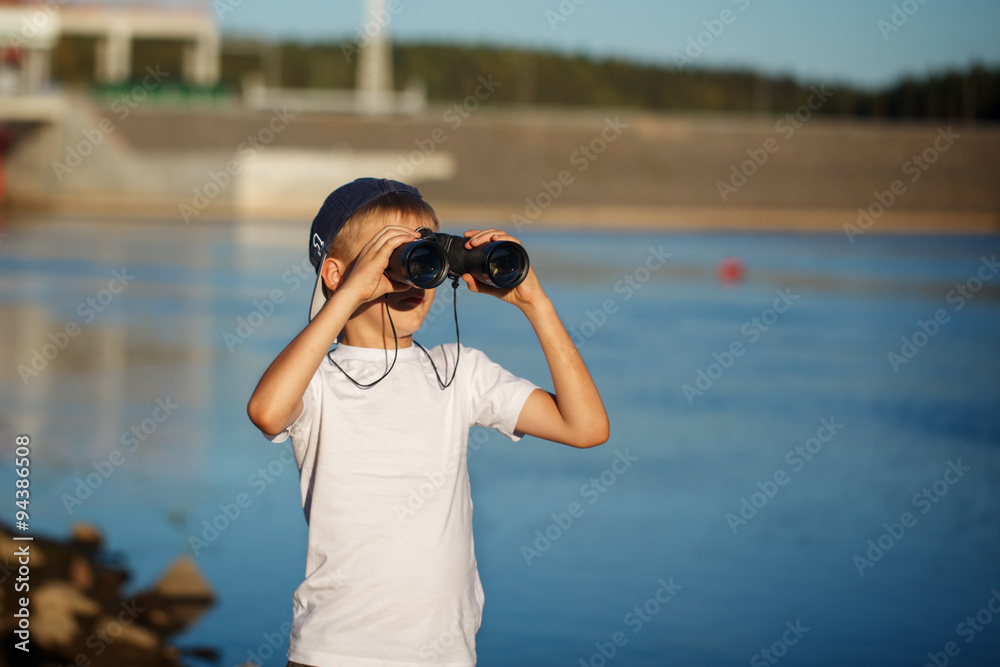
662 525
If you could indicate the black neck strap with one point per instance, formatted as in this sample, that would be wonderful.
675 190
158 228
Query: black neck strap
395 354
458 341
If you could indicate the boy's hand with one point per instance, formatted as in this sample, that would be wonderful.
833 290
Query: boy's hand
528 293
366 279
574 414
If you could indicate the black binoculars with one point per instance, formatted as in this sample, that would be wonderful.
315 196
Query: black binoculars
427 262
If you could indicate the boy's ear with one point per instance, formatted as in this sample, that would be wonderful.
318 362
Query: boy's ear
333 273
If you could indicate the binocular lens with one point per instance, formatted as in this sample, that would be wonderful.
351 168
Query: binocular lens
505 267
426 266
427 262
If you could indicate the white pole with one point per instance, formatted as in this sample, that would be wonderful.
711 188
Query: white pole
374 85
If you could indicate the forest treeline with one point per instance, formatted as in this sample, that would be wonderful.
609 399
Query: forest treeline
451 73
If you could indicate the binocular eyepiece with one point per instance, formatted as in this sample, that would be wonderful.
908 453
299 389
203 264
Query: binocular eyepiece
427 262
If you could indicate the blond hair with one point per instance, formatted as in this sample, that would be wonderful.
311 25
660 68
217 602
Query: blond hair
349 240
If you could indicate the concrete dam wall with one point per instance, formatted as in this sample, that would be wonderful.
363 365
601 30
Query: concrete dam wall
514 167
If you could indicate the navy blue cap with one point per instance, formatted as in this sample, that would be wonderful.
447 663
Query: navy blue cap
342 203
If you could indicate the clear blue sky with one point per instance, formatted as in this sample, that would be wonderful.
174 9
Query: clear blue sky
832 41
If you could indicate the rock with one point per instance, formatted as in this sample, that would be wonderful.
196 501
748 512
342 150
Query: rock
178 599
86 535
81 573
56 607
183 580
127 633
80 615
159 618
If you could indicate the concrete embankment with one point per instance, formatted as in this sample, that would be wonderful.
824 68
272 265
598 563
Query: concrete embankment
545 167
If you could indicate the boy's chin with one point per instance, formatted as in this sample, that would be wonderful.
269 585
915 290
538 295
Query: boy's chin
408 321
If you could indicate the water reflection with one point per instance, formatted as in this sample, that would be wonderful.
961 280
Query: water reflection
168 338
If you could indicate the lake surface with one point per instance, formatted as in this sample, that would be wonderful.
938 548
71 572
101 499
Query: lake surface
762 434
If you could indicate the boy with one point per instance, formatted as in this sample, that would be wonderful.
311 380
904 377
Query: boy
372 423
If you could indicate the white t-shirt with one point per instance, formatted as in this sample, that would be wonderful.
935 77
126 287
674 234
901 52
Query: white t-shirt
391 576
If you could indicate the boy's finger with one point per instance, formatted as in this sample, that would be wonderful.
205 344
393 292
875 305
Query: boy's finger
479 288
470 282
470 235
390 241
504 236
490 235
480 237
392 229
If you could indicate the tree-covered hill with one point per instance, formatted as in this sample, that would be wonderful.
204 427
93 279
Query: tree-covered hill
451 72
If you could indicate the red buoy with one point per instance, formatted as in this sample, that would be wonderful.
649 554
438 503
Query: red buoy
730 270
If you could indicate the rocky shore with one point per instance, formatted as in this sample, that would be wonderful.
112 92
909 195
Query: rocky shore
80 612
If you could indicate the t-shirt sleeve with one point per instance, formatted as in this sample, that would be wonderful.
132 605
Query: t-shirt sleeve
496 394
306 421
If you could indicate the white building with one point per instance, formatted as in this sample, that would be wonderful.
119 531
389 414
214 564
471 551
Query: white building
29 32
